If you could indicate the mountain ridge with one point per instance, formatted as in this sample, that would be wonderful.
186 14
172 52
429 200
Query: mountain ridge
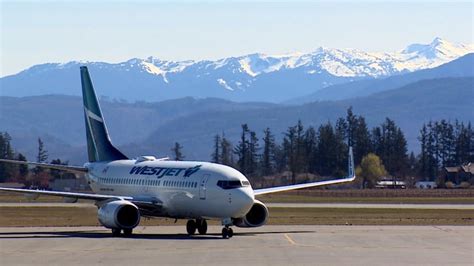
152 128
253 77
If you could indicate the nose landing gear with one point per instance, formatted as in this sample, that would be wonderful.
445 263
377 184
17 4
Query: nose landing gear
227 232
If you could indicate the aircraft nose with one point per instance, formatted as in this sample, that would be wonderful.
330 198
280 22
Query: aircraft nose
244 199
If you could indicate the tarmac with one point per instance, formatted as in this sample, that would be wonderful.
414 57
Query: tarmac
280 205
267 245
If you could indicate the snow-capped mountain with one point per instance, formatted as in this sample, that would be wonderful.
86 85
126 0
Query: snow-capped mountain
338 62
254 77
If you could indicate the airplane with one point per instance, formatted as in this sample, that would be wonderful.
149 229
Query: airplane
124 190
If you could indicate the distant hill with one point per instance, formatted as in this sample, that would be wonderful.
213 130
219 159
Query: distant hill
462 67
409 106
152 128
59 120
253 77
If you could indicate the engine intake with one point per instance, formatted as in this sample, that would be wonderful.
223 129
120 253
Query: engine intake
257 216
119 214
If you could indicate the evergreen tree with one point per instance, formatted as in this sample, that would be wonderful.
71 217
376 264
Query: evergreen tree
446 143
412 164
390 144
6 152
268 155
289 147
340 148
241 150
300 149
311 150
226 156
357 135
42 153
281 159
463 143
216 154
22 168
351 121
327 150
252 156
177 152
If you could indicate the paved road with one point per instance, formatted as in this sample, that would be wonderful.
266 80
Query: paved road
268 245
282 205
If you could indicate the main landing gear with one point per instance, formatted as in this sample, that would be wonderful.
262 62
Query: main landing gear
199 224
126 232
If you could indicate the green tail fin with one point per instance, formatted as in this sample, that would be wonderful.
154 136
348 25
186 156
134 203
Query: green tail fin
99 146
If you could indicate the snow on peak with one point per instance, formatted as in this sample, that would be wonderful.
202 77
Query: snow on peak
439 51
338 62
224 84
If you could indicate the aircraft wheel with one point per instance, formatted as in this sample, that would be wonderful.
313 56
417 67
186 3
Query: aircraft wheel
225 233
202 226
127 232
116 232
230 232
191 227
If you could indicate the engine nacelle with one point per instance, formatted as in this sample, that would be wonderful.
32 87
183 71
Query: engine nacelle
257 216
119 214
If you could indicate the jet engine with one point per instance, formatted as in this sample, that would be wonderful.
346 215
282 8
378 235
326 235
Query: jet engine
257 216
119 214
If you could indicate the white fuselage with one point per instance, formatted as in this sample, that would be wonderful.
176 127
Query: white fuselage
181 189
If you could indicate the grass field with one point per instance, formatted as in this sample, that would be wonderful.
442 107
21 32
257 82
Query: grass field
295 198
329 196
87 216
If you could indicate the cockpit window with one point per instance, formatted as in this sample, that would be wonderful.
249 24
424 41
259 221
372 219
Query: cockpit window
229 184
245 183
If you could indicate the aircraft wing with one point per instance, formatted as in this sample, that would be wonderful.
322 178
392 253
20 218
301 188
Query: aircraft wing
350 177
145 203
72 169
299 186
96 197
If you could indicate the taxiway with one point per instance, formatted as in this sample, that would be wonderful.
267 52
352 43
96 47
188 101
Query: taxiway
268 245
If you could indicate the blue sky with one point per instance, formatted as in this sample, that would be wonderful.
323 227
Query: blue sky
39 32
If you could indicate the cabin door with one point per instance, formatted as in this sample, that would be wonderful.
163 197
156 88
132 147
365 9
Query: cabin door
202 186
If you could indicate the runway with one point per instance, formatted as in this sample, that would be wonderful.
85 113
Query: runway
268 245
281 205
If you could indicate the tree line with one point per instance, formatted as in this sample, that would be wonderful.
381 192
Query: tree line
37 177
323 150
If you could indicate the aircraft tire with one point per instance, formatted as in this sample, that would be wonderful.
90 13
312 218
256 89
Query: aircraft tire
116 232
128 232
202 226
191 227
225 233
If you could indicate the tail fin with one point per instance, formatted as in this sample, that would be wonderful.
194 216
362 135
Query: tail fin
99 146
350 166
